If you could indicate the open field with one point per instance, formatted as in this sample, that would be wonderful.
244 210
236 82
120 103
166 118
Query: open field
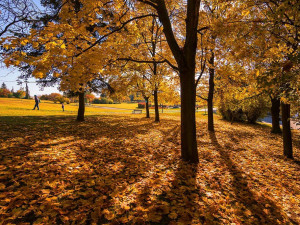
126 169
23 107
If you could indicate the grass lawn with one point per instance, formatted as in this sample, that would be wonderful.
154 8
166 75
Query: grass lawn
125 169
23 107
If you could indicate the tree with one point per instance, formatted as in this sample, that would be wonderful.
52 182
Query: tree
89 97
185 59
46 50
148 54
3 86
282 24
184 55
20 94
53 96
275 112
4 92
182 45
268 41
16 16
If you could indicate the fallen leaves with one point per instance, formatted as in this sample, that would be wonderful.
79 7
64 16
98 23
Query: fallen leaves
127 170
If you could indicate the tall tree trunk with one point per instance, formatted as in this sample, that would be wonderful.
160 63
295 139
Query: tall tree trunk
147 107
286 130
156 106
188 119
81 108
186 61
210 98
275 111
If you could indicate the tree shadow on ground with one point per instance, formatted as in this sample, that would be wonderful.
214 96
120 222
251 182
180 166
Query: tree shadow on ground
177 197
97 158
117 170
262 209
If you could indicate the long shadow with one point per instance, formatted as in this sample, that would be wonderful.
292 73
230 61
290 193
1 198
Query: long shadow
51 178
101 171
177 195
182 191
247 198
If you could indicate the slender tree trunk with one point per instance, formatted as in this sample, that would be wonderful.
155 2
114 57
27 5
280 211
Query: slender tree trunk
27 90
275 111
188 126
286 131
81 108
210 98
156 106
147 107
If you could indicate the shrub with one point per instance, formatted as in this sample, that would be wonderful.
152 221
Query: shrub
141 105
256 108
19 94
10 95
4 92
90 98
102 100
248 109
51 97
96 101
61 100
67 101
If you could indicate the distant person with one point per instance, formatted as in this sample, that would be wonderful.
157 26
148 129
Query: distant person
63 106
37 101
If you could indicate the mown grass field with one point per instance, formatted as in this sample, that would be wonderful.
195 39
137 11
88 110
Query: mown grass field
121 168
23 107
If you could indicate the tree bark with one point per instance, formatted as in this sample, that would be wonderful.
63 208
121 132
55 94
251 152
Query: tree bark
147 107
275 111
156 105
81 108
186 61
188 126
286 131
210 98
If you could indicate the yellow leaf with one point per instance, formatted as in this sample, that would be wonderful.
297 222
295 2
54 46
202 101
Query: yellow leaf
2 186
172 215
108 214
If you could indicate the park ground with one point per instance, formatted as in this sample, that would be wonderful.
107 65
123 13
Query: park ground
121 168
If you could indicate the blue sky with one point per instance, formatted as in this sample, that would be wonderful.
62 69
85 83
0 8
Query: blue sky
10 75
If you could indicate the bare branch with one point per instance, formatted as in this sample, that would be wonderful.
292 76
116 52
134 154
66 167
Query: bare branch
149 61
205 99
201 73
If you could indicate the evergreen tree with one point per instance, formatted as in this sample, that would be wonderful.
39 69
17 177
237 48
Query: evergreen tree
3 86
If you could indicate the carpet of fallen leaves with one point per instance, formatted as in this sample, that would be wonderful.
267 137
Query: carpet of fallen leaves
127 170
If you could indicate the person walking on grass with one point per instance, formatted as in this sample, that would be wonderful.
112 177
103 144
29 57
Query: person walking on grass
63 106
37 101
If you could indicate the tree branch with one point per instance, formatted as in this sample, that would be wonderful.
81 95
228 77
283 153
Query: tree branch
205 99
149 61
202 28
113 31
201 73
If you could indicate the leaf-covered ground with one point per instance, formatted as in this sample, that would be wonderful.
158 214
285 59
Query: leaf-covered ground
127 170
